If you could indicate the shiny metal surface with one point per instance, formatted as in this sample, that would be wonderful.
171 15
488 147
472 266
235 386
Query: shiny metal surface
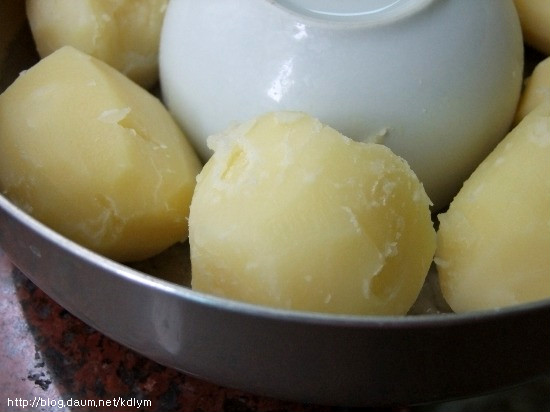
341 360
338 360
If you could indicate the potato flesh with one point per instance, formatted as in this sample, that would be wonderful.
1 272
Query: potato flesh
123 33
534 16
494 240
289 213
536 91
95 157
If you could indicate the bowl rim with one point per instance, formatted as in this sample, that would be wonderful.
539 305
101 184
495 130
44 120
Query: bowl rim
352 21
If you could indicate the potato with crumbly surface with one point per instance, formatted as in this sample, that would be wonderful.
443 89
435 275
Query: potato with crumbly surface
289 213
494 241
95 157
123 33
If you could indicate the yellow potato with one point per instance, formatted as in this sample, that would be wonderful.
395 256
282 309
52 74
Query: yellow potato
534 16
536 91
123 33
95 157
494 241
289 213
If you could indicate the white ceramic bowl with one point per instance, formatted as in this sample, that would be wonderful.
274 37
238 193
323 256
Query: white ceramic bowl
435 80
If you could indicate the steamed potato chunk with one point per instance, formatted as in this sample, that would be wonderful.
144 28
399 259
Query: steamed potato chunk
289 213
494 241
536 91
95 157
123 33
534 16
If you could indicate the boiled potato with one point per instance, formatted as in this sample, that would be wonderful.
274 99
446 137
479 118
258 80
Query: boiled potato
534 16
95 157
289 213
536 91
123 33
494 241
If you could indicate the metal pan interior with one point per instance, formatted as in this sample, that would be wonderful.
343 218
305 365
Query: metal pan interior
328 359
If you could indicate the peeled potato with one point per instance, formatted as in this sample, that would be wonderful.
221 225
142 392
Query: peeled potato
123 33
95 157
534 16
289 213
494 241
536 91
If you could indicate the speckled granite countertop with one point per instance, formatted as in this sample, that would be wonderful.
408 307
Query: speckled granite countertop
47 355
